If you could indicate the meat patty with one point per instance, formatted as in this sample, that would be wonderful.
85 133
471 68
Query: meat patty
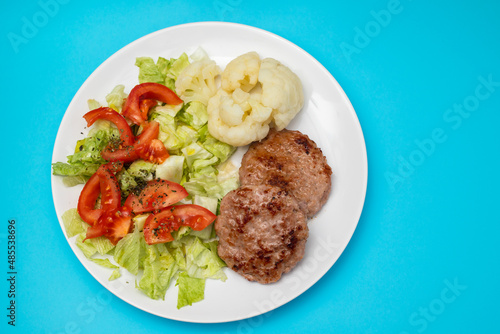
262 232
290 160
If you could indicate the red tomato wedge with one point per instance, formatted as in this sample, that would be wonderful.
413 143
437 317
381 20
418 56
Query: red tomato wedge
146 146
158 227
102 182
156 195
110 189
113 224
148 90
145 105
150 131
109 114
125 154
86 201
153 151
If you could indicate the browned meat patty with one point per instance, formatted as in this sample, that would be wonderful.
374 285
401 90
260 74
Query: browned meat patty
262 232
292 161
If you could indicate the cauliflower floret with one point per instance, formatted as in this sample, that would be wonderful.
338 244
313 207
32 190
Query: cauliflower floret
281 90
231 123
197 82
242 72
254 96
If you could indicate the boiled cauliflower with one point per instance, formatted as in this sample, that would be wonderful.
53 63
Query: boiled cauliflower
237 124
281 90
197 82
242 72
254 96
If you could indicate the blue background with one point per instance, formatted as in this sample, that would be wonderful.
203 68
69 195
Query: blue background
431 217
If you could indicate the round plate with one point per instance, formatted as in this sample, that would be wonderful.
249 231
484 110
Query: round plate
328 118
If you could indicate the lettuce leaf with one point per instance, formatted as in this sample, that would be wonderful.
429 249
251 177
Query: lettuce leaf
221 150
74 169
105 263
116 98
163 72
195 152
128 251
191 290
202 262
148 70
195 115
93 104
101 244
159 268
86 247
73 224
171 169
71 181
115 274
87 157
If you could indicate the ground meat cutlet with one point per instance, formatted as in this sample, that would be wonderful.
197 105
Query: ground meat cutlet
262 232
290 160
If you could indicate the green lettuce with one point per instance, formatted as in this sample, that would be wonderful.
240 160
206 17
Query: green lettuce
129 251
116 98
175 249
195 153
71 181
221 150
101 244
114 275
191 290
163 72
159 268
202 262
87 157
87 248
171 169
105 263
194 115
93 104
75 169
127 182
142 169
73 224
148 70
209 203
174 135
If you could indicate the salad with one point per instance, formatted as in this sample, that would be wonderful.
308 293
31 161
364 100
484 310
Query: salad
153 179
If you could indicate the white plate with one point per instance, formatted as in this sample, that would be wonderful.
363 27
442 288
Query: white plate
327 117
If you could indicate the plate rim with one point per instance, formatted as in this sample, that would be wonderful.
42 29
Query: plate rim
253 29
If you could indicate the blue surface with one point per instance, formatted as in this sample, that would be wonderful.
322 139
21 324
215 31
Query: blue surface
424 258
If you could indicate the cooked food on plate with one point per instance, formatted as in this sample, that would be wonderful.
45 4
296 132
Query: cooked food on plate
255 95
292 161
262 229
262 232
156 169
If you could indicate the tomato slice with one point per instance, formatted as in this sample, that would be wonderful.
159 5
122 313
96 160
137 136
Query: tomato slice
158 227
194 216
109 114
156 195
150 131
145 105
125 154
86 201
146 146
110 189
102 182
148 90
113 224
154 151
